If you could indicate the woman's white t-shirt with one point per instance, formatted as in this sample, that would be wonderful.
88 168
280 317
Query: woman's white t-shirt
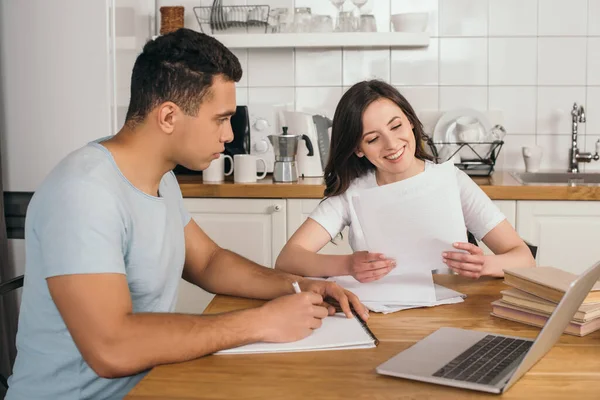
335 213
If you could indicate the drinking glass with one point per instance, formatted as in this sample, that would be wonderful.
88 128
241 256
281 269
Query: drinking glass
359 4
339 5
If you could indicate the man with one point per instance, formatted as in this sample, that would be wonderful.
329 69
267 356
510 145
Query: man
107 240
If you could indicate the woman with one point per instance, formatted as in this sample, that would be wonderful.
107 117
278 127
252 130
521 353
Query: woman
377 139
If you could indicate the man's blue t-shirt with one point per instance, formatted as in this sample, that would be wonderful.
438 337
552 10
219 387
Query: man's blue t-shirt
87 218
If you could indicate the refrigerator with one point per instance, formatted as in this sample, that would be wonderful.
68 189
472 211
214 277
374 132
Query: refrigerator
65 67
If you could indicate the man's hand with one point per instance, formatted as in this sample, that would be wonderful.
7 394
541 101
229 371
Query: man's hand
335 291
368 267
471 264
293 317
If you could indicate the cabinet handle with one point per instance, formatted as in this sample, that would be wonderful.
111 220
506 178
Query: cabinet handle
277 207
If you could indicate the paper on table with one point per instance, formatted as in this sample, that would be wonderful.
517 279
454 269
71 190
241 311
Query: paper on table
336 333
401 289
414 220
387 309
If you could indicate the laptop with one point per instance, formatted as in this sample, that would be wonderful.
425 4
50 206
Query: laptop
482 361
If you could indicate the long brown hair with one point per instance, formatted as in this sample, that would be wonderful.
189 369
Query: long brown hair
344 165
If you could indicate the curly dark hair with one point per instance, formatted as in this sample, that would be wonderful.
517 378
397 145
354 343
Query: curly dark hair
344 165
178 67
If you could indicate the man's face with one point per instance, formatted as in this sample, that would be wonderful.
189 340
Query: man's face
200 139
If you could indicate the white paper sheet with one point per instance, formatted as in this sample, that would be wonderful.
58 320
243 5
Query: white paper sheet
336 333
443 296
401 289
412 221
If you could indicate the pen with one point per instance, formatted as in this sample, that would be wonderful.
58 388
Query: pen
296 287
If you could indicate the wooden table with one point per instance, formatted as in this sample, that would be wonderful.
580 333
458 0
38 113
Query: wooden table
571 370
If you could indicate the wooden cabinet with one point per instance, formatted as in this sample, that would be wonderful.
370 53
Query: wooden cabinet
297 212
566 232
253 228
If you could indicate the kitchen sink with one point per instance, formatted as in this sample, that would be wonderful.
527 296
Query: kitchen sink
557 178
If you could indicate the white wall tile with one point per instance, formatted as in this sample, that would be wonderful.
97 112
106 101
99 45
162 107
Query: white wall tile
467 96
318 67
554 106
274 96
429 6
463 61
270 67
594 17
416 66
361 65
511 154
513 17
463 18
318 99
561 61
518 107
593 61
590 145
592 108
241 96
421 98
561 17
242 56
556 152
512 61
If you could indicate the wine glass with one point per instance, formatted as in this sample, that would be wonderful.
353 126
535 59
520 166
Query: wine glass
359 4
339 4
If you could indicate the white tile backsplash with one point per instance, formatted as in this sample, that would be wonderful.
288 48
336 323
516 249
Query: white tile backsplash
518 105
262 71
562 61
463 61
360 65
513 17
463 17
512 61
530 59
416 66
554 106
562 17
593 61
594 17
318 67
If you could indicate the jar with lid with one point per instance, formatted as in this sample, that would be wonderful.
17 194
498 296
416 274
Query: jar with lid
302 19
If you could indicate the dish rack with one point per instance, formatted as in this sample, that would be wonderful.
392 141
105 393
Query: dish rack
477 164
232 19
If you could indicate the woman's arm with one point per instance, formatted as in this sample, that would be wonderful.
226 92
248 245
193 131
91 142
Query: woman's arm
299 256
510 251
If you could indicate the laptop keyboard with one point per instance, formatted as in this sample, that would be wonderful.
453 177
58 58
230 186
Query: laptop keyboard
485 360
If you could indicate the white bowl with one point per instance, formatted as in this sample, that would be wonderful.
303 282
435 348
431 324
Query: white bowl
410 22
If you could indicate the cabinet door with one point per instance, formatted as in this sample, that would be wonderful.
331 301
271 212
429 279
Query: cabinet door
566 232
509 209
252 228
297 212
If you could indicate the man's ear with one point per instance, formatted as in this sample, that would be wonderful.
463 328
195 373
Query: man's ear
167 116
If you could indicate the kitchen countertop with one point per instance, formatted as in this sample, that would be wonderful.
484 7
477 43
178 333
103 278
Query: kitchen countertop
500 186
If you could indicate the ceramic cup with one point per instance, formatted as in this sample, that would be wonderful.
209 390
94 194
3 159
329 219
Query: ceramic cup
216 170
468 129
532 155
245 170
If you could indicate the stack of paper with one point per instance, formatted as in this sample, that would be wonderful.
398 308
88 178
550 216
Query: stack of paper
412 221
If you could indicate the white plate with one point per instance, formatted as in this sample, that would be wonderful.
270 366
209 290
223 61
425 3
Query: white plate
444 131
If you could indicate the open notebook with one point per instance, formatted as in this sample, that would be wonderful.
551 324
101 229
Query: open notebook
336 333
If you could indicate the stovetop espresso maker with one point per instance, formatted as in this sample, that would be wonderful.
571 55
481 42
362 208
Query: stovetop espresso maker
285 147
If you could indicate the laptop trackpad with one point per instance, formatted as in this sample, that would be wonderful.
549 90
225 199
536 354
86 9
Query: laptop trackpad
431 353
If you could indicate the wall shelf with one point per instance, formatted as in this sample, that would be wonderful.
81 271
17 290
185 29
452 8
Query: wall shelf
324 40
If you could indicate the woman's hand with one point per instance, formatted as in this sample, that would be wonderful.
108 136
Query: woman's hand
368 267
471 264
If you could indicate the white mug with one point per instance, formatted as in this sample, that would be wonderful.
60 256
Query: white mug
532 155
216 170
245 170
468 129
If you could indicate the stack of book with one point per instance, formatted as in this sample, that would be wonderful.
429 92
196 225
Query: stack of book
535 293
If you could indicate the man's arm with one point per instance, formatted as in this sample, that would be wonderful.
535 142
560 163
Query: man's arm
115 342
221 271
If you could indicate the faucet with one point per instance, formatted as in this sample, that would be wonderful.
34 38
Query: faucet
575 157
